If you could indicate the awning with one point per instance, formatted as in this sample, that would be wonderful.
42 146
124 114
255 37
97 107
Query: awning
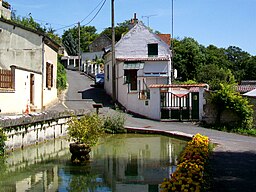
251 93
130 66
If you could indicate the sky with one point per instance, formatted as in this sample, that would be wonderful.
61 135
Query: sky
217 22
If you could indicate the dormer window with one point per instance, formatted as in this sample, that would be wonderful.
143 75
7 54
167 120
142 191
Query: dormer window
153 49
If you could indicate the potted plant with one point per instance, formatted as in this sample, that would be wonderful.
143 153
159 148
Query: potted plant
84 132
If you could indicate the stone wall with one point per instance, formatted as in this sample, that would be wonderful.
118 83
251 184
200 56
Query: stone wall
28 130
228 116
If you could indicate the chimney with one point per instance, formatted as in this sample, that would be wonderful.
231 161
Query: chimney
133 21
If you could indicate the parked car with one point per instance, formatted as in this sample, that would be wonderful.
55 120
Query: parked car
99 79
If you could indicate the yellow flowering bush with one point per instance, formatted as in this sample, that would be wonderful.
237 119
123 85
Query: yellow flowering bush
188 176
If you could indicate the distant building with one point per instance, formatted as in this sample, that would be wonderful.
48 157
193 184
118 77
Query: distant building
5 10
100 43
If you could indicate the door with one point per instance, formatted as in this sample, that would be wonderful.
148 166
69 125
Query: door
32 88
195 105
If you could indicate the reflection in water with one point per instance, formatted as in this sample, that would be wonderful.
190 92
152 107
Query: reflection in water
127 162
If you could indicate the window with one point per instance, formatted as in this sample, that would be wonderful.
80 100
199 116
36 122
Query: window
6 79
153 49
131 79
49 75
107 72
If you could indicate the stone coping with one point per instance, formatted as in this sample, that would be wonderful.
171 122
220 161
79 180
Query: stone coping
21 120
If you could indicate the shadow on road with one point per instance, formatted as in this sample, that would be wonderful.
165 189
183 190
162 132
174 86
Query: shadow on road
98 95
233 171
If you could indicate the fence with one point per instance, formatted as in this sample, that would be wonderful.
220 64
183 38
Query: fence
6 79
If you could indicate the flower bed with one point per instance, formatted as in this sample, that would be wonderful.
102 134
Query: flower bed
188 176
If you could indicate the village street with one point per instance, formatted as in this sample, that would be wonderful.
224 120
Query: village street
233 163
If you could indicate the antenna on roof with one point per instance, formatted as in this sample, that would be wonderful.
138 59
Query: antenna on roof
148 16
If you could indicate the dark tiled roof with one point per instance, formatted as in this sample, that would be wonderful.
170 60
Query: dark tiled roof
245 88
176 86
144 59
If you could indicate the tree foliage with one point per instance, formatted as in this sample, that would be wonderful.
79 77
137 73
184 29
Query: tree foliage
214 76
70 39
29 22
61 77
120 30
187 56
211 64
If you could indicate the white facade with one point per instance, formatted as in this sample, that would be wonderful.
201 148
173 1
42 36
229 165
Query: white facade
4 12
136 69
89 64
29 53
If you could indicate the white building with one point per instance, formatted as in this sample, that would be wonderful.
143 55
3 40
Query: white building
142 59
28 69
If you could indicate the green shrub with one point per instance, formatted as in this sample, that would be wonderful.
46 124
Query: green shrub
61 77
3 138
86 129
114 123
228 98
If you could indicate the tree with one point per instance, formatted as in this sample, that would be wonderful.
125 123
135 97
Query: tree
214 75
70 44
51 33
217 56
120 30
87 36
250 69
238 58
187 57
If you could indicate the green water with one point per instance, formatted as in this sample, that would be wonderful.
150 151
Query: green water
125 163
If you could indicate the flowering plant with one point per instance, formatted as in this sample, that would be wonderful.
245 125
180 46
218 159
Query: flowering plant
189 173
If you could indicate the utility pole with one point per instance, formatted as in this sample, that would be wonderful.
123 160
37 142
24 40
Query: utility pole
172 38
148 16
79 52
113 51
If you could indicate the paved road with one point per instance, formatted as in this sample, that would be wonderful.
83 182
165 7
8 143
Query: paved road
233 162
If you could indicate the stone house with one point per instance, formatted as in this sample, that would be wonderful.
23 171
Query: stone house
28 69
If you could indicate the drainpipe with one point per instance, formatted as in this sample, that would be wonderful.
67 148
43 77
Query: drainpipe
42 91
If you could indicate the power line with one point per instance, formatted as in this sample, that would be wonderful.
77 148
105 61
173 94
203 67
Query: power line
91 12
97 13
102 3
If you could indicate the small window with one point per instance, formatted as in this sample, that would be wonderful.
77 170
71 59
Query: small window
153 49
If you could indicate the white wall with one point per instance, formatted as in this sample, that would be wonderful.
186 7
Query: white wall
16 101
20 47
108 81
202 102
50 95
5 13
135 43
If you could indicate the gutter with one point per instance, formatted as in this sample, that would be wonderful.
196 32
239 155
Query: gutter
42 91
